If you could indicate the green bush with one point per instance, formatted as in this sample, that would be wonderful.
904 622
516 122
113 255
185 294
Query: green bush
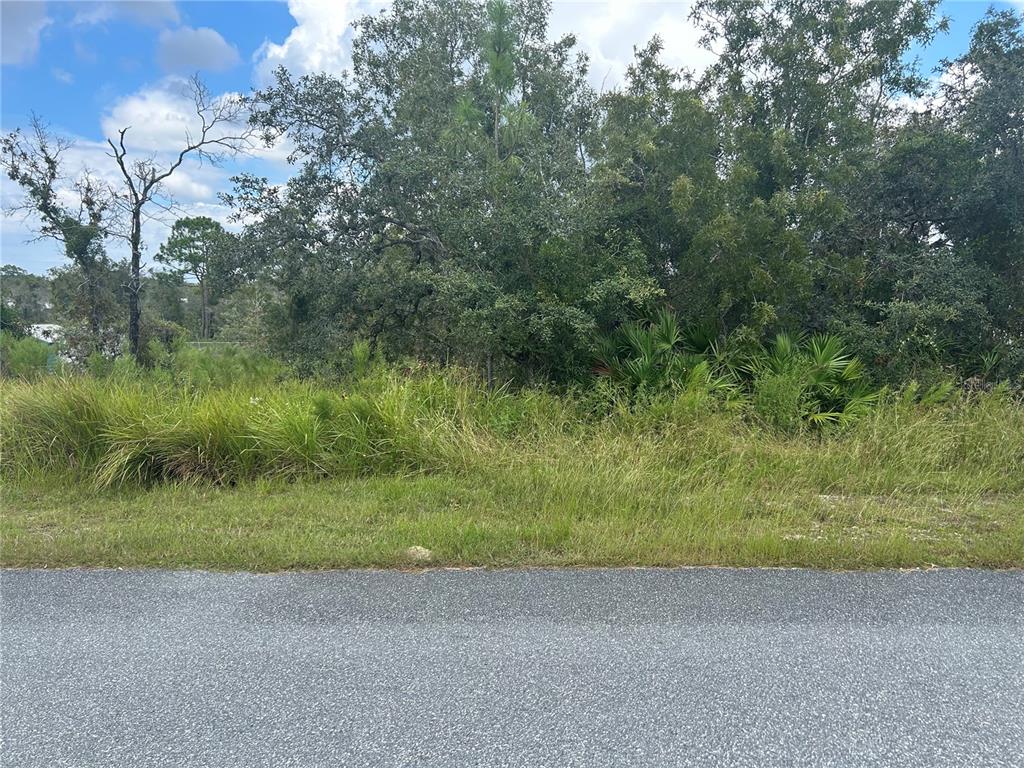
781 398
24 357
788 384
813 382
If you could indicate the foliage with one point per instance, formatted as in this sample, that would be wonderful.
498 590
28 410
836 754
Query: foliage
11 321
486 207
34 160
180 365
814 382
93 321
463 196
790 383
131 427
439 208
23 356
244 315
200 248
24 295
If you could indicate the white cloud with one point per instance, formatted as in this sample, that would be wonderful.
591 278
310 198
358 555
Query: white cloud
160 118
152 13
22 23
187 50
183 185
320 40
607 31
62 76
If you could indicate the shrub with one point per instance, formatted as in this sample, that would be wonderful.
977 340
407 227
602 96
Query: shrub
814 382
788 384
781 398
23 357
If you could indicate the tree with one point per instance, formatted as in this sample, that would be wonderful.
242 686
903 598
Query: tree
983 105
243 315
441 206
11 321
35 160
221 130
498 53
743 187
463 195
27 294
105 302
941 212
197 247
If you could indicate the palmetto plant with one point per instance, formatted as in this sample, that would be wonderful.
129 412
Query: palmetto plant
655 355
791 382
824 385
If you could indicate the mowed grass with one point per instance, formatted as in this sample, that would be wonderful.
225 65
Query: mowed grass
515 480
528 519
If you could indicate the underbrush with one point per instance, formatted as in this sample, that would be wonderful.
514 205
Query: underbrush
23 357
137 430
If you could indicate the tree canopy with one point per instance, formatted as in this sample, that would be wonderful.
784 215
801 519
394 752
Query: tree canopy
463 194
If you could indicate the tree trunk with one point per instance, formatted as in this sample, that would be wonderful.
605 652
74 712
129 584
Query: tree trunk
497 123
205 324
92 294
134 284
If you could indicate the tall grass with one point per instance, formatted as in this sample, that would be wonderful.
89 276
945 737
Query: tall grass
121 430
139 431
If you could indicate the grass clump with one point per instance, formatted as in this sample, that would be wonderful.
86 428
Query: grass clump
122 431
116 432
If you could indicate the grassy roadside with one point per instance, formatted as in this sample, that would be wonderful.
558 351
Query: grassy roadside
502 519
294 477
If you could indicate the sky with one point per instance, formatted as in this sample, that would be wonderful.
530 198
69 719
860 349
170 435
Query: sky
89 68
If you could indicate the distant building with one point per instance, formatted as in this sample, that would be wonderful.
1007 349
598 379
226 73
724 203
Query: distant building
49 332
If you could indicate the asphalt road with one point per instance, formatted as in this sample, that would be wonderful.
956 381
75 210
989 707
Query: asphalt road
528 668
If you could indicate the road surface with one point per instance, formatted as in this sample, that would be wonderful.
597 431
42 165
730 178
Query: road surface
516 668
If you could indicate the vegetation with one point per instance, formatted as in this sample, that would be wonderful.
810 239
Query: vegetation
230 465
773 314
200 248
22 356
465 196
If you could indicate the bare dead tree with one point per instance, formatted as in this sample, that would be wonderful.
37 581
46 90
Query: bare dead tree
223 130
74 210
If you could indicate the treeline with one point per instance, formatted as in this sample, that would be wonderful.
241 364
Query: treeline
465 195
201 291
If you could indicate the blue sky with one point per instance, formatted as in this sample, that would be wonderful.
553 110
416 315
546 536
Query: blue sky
89 67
